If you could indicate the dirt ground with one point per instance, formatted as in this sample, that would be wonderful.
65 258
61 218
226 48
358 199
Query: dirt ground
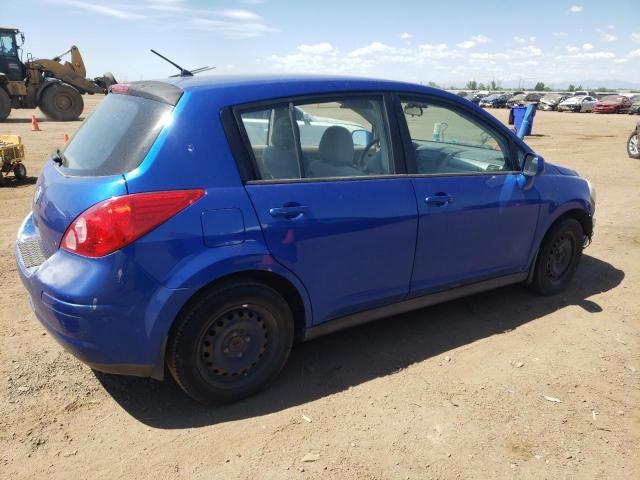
501 385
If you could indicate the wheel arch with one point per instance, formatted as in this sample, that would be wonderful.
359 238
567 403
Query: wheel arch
580 214
276 281
291 291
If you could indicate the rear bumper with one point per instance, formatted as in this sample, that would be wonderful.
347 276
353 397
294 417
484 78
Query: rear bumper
107 312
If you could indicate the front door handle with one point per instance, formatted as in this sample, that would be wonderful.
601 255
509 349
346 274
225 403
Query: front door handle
439 199
288 212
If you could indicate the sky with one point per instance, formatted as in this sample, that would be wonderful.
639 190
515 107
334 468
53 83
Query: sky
513 43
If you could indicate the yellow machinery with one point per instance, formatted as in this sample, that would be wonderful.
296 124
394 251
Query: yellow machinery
53 86
11 156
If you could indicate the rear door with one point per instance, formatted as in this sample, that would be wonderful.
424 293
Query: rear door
335 215
477 217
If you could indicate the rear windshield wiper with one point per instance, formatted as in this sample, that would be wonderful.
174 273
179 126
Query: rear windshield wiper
57 157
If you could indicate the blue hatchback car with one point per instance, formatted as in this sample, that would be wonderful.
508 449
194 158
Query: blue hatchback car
205 224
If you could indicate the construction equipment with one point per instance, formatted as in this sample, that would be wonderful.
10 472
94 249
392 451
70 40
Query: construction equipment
11 156
55 87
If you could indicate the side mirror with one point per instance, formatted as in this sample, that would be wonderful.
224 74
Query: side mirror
533 165
414 109
361 138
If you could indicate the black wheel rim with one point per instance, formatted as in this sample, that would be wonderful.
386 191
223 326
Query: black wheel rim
560 258
235 345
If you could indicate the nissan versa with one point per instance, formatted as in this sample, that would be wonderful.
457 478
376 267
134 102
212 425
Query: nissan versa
204 224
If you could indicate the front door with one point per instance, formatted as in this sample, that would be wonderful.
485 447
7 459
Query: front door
477 217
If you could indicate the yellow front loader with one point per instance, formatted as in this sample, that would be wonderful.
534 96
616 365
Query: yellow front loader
54 86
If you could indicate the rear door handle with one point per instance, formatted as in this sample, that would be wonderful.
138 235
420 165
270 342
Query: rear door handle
288 212
439 199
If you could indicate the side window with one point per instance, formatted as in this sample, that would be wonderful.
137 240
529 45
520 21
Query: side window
272 140
347 137
446 142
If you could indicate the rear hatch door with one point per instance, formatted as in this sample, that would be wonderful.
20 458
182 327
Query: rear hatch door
112 141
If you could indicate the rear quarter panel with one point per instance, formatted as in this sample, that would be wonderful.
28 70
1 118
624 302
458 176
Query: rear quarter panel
192 152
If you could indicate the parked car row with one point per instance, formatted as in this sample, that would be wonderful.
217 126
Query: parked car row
578 101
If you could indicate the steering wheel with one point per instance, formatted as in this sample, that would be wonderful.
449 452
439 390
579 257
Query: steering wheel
375 141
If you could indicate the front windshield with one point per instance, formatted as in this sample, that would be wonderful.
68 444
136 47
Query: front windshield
8 45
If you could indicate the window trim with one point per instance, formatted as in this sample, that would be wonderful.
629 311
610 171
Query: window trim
511 151
246 160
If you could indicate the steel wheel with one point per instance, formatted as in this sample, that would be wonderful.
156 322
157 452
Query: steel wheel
558 257
234 344
230 341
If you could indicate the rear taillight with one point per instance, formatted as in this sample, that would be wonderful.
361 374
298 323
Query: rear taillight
112 224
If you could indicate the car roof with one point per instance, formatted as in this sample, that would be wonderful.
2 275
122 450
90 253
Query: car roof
236 89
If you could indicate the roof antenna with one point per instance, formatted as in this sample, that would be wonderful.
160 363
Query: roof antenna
183 72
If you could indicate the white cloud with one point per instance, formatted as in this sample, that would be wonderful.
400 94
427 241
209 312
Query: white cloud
101 10
239 14
231 23
475 40
605 34
252 2
589 55
480 39
576 8
560 34
597 55
406 36
587 46
532 39
572 49
233 29
635 37
519 40
466 44
439 50
525 63
634 54
374 48
316 49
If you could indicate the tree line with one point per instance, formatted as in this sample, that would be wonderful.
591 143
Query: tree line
497 85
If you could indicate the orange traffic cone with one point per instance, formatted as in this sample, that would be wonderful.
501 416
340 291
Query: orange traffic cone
65 138
34 124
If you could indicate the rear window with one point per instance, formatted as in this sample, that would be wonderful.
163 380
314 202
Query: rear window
116 137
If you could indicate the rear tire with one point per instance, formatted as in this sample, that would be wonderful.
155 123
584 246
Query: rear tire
5 105
230 342
61 102
558 258
633 145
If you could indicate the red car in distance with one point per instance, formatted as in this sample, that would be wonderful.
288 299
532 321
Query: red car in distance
612 104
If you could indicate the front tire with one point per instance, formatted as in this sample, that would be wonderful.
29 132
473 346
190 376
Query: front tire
559 256
230 342
61 102
633 145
